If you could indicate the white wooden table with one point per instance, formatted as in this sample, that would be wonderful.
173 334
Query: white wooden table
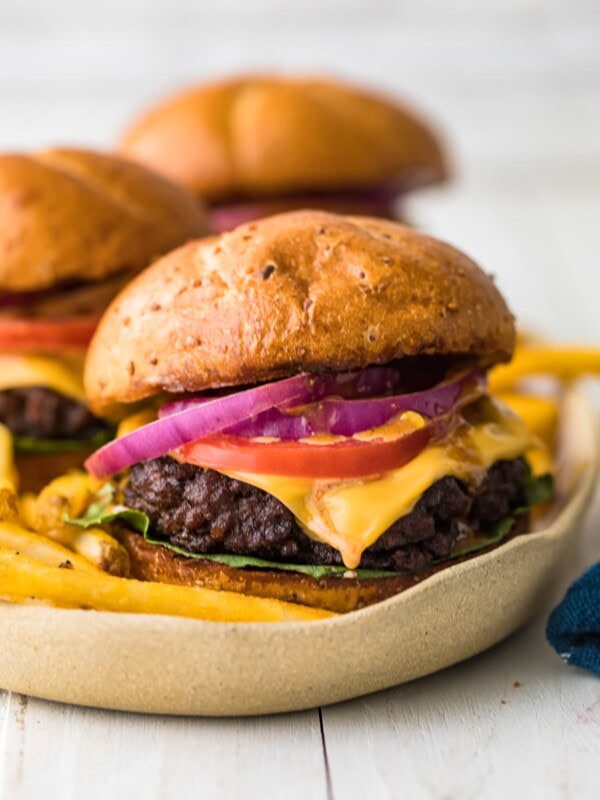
516 84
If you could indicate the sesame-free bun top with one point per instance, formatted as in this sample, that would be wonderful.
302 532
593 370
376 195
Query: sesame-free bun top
73 215
263 136
301 291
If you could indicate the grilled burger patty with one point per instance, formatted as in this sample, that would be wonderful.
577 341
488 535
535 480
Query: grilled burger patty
204 511
45 414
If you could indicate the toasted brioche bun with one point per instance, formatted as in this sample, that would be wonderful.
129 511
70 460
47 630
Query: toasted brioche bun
264 136
302 291
150 562
75 215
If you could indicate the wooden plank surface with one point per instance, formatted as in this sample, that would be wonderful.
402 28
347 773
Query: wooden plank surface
48 750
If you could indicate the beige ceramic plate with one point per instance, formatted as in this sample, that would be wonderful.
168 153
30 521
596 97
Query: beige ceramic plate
179 666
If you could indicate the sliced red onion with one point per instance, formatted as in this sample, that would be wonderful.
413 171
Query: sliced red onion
378 201
197 421
345 417
368 382
227 218
348 417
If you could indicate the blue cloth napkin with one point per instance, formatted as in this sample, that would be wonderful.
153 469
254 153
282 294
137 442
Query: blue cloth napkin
573 629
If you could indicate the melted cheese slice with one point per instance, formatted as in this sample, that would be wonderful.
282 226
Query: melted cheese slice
63 376
351 515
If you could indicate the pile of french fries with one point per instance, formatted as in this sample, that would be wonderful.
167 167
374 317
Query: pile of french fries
45 560
532 359
512 384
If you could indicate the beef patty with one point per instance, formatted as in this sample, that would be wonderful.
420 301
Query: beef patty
204 511
45 414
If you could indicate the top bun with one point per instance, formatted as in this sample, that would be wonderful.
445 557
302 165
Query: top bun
302 291
74 215
267 136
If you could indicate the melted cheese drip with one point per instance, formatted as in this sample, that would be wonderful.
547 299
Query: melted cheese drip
62 375
351 515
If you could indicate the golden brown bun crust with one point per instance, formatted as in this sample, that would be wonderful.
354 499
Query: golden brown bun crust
153 563
77 215
263 136
303 291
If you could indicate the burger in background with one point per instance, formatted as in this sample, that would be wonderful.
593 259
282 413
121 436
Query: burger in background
260 145
75 226
325 434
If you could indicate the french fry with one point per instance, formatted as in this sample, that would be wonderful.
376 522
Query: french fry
98 547
16 539
8 476
9 508
70 494
8 472
93 544
28 510
24 601
539 413
565 363
23 576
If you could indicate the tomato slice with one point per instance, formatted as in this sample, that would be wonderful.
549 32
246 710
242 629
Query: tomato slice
40 335
349 459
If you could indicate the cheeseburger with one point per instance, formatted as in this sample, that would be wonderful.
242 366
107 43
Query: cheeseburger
74 227
256 146
318 427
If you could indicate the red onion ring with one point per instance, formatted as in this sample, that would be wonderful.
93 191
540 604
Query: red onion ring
197 421
369 382
376 201
342 417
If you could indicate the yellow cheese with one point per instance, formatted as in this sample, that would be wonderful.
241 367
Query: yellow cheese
352 515
135 421
540 414
64 377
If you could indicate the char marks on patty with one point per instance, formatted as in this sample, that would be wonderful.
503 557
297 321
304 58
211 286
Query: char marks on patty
204 511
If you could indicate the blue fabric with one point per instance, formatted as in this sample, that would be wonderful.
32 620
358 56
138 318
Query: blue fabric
574 626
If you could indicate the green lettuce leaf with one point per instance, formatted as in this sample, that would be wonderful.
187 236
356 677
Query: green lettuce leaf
31 445
538 489
103 510
229 560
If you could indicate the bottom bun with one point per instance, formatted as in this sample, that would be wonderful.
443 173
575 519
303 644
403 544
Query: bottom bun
151 562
